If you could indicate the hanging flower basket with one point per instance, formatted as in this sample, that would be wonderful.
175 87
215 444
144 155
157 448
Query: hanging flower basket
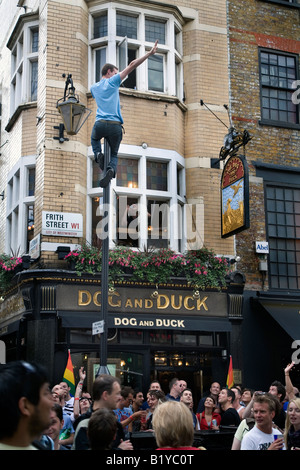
9 267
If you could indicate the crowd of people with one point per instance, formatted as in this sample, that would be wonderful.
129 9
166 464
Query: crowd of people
37 417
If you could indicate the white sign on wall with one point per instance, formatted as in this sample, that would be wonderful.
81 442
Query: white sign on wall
262 247
35 247
62 224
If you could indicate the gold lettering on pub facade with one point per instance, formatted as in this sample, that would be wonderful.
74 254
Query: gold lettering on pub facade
163 301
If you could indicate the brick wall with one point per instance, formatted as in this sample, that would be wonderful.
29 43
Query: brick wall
254 24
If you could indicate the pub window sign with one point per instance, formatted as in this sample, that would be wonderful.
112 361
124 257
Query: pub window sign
234 196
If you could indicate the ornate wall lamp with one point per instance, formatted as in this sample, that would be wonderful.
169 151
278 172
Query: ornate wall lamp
73 113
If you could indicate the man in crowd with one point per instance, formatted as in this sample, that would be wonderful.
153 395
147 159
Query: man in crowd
229 415
25 405
176 386
56 426
106 394
68 406
214 391
277 389
186 397
124 413
262 436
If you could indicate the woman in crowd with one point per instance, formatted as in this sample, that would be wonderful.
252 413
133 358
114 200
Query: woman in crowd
154 398
173 426
292 425
208 419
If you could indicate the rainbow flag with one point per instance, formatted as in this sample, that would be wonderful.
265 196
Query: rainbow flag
229 381
69 375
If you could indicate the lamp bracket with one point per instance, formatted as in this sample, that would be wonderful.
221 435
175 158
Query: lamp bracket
233 140
69 92
60 137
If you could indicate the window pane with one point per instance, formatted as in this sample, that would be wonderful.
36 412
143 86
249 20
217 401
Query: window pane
31 182
265 113
185 339
34 41
178 40
283 237
100 26
179 181
126 26
131 337
160 337
158 223
34 80
279 72
127 173
271 218
206 339
96 175
157 175
283 284
155 30
100 61
156 73
97 217
130 81
281 219
30 225
274 115
128 221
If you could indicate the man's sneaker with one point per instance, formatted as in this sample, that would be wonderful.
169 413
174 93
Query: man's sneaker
106 178
99 158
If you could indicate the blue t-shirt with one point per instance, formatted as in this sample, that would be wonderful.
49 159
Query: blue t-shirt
106 94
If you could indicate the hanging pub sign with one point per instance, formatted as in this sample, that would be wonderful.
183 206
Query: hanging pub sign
234 196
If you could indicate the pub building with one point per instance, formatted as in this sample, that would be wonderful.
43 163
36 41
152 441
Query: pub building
50 194
172 331
209 53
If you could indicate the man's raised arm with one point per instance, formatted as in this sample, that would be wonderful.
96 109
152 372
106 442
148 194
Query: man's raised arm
136 62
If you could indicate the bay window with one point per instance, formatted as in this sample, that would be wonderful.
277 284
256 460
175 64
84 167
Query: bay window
146 200
118 36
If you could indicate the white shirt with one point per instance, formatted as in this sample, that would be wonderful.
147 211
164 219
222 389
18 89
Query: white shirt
258 440
69 406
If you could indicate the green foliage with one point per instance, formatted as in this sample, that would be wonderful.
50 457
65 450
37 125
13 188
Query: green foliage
8 268
87 260
200 268
204 269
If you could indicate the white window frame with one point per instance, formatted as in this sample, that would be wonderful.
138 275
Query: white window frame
177 217
173 60
21 70
17 205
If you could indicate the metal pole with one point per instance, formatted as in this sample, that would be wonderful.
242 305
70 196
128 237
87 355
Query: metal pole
103 369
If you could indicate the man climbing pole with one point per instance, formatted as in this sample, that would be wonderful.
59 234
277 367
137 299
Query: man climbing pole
109 120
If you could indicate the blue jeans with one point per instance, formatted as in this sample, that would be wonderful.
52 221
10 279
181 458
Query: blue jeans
113 133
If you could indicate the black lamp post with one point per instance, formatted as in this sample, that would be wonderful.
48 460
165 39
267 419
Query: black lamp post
73 115
73 112
103 369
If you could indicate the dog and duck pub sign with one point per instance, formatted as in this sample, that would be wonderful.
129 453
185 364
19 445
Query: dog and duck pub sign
234 196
